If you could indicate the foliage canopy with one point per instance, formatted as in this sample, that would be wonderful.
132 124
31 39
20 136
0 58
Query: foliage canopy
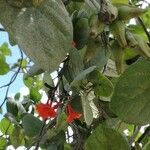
102 65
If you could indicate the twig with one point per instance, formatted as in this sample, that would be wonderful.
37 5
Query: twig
142 24
40 136
13 78
144 28
15 74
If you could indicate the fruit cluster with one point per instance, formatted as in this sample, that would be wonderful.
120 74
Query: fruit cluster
112 19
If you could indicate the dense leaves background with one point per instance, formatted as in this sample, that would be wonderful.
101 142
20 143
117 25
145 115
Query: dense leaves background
102 74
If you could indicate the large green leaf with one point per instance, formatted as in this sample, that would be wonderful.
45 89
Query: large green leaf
104 138
31 125
7 16
89 6
44 33
102 85
131 98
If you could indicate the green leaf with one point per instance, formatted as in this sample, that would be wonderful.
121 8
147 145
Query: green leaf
57 141
5 50
104 138
17 137
11 118
100 58
3 143
81 33
147 146
34 94
131 98
137 146
91 7
33 82
87 110
28 81
6 127
82 76
50 33
23 62
52 147
137 29
67 146
96 54
146 18
17 96
72 68
102 85
11 106
47 47
120 1
4 66
76 103
34 70
61 122
31 125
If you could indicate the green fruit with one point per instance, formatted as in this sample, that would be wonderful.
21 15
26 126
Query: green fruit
118 30
126 12
92 48
96 26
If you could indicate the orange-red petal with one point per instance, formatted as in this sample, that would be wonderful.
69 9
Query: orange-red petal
45 111
72 115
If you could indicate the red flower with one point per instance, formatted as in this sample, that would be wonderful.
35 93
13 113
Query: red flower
73 44
72 115
45 110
